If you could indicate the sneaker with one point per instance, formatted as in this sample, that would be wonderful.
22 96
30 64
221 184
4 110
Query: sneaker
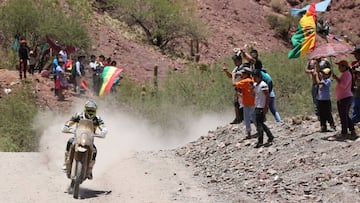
323 129
270 140
333 127
258 145
235 121
248 136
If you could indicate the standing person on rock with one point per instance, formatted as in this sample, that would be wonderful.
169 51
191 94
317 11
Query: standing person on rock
23 59
61 82
355 67
235 76
78 73
99 67
248 100
311 67
344 98
323 98
272 105
261 92
252 58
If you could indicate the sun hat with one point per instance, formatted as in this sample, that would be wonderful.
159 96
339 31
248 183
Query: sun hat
237 57
326 70
343 63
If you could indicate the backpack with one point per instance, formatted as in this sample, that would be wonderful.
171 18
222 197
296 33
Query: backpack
353 79
73 70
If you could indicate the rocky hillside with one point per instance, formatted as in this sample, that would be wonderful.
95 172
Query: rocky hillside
303 165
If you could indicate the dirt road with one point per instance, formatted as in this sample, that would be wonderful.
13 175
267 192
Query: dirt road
141 177
134 164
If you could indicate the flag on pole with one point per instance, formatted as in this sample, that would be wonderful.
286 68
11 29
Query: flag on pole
304 39
109 75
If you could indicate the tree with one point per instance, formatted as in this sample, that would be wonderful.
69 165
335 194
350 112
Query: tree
162 21
34 20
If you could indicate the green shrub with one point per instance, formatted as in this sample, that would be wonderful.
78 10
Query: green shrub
282 25
35 20
161 21
17 115
276 5
210 90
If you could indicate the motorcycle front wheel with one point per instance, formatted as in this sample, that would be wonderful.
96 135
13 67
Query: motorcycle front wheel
77 179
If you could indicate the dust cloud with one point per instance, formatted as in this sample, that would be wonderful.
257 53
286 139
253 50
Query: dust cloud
127 133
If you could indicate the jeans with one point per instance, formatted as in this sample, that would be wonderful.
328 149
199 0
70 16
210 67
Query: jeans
325 113
261 127
356 110
272 107
343 106
314 90
249 115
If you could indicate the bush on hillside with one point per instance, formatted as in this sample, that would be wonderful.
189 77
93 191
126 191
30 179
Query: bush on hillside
18 111
34 21
161 21
282 26
210 90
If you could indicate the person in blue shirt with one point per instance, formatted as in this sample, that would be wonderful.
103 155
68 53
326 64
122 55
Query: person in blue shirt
55 64
272 105
323 98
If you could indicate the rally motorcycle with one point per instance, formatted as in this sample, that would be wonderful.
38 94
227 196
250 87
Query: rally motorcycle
80 154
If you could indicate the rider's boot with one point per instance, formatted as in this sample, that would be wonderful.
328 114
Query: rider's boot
89 172
65 161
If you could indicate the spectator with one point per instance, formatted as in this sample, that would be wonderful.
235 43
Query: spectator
63 54
248 100
323 98
235 75
113 63
99 67
272 105
261 92
356 89
107 61
55 64
61 81
344 98
78 73
32 62
252 58
310 68
23 58
92 63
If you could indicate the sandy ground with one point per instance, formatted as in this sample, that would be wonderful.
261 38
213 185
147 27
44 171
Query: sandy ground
135 163
141 177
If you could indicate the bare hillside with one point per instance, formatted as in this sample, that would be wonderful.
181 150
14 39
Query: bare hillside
231 23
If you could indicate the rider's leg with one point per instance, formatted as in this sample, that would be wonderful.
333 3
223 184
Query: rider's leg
92 163
67 153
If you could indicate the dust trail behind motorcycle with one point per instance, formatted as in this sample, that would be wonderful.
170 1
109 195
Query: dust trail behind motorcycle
129 147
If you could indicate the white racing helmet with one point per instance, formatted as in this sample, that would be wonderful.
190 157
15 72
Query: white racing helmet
90 109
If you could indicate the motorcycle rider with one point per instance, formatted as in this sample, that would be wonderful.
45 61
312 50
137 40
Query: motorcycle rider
99 129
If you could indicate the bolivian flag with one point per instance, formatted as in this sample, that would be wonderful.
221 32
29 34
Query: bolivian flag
109 74
304 39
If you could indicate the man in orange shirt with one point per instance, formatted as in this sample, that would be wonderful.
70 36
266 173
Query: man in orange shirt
248 100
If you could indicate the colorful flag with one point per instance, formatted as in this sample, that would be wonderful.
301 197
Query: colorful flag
109 74
69 65
304 39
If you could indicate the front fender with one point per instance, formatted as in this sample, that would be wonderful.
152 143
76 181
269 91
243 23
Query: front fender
80 149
